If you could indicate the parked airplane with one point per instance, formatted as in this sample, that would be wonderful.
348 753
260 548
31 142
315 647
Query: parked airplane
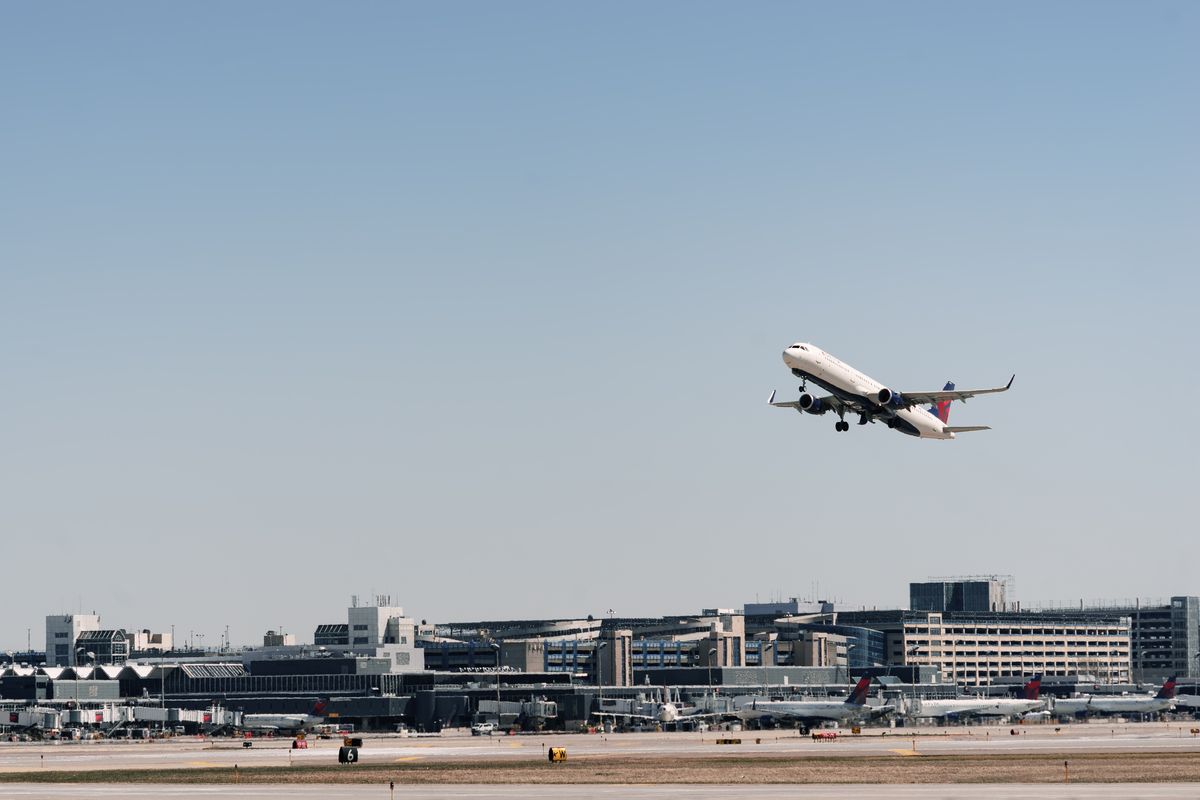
984 706
1187 702
810 712
1119 704
285 722
852 391
664 713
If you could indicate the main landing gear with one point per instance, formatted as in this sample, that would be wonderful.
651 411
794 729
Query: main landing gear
841 426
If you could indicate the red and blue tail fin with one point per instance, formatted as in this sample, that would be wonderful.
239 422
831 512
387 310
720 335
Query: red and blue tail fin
858 697
1167 691
1033 688
941 409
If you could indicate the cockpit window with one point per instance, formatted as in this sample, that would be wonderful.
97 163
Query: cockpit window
798 347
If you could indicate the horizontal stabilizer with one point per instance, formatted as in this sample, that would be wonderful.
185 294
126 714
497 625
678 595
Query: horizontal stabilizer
965 428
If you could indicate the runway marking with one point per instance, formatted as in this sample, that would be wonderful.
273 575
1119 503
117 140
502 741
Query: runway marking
408 758
907 753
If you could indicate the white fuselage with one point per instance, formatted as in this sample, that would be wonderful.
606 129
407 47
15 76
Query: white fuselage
981 707
843 380
278 722
836 710
1096 704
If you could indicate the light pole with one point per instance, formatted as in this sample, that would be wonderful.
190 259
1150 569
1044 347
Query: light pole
954 664
849 648
913 672
600 668
498 718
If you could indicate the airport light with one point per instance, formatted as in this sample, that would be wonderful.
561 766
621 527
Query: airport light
849 647
497 646
910 653
600 667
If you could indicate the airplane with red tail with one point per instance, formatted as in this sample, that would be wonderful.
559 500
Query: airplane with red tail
807 713
1119 703
852 392
960 707
285 722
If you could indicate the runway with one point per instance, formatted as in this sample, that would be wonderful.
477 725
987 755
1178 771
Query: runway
621 792
975 740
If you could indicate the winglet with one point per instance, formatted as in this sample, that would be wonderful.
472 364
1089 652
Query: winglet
1008 385
771 399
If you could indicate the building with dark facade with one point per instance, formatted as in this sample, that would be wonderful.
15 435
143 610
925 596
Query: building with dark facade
102 647
1164 637
965 594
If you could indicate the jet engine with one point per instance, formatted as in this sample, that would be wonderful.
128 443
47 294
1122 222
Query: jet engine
811 405
889 399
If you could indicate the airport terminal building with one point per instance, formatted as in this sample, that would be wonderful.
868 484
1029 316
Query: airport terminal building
381 667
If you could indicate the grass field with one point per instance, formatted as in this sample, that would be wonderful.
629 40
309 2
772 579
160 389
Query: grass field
1087 768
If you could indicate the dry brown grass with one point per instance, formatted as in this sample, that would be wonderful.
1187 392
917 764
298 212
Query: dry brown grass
1090 768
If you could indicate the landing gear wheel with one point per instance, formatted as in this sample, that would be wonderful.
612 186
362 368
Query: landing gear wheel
841 426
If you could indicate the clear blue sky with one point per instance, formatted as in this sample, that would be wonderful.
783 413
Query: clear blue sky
479 304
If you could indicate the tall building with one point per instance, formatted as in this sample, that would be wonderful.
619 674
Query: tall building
62 630
616 657
1164 638
977 648
380 624
102 647
382 630
965 594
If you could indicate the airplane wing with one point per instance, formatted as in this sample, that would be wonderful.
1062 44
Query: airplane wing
828 401
618 714
771 401
922 398
684 715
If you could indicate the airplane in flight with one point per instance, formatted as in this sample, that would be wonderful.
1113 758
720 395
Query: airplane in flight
1119 704
813 712
984 706
285 722
850 391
